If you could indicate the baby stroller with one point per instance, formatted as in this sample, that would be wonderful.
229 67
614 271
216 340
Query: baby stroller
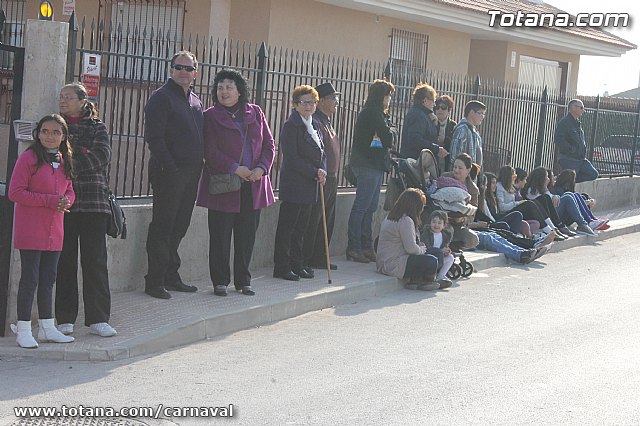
410 173
421 173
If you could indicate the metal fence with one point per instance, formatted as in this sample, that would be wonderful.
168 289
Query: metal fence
518 128
11 34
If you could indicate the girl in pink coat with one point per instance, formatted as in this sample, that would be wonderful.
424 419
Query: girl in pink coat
41 189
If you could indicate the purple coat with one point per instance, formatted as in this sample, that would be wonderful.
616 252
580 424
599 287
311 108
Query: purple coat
222 150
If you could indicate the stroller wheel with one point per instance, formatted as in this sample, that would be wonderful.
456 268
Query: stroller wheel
467 269
454 272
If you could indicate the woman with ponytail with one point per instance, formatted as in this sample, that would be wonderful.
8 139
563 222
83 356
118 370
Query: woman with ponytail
87 221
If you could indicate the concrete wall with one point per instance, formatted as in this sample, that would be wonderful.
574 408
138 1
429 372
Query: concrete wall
488 59
128 263
319 27
613 193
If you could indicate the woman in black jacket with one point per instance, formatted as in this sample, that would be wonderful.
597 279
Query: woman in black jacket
374 135
87 221
443 109
419 129
303 170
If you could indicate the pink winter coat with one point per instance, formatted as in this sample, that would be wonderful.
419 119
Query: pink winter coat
37 223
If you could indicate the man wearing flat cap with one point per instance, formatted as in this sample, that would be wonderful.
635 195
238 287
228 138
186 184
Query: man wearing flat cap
314 237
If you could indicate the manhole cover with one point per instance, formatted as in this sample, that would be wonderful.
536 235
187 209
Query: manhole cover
76 421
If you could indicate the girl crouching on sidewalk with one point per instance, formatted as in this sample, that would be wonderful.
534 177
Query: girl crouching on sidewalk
42 191
400 253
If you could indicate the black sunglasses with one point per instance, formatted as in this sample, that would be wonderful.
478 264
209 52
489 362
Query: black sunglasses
442 107
179 67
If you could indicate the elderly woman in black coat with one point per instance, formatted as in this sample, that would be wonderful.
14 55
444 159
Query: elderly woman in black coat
302 172
420 130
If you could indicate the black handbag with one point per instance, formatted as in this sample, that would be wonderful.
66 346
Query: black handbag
349 175
224 182
117 225
387 161
394 189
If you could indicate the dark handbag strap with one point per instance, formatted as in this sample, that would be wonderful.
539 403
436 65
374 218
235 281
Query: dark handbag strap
244 141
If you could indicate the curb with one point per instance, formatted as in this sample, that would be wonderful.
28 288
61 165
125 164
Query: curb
195 328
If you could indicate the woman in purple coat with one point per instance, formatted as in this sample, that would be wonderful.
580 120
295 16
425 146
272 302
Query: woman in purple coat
237 140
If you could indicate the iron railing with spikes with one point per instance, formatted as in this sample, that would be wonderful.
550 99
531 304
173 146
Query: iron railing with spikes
518 128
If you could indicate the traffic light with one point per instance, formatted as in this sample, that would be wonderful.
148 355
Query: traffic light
45 12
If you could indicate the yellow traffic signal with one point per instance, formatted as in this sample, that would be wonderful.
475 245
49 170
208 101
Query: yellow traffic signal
45 12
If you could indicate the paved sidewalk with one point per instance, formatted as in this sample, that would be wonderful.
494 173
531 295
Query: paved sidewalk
146 325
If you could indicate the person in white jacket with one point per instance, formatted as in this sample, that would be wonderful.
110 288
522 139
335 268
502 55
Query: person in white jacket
507 203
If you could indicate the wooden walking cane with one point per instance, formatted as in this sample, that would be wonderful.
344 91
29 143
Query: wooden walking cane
326 238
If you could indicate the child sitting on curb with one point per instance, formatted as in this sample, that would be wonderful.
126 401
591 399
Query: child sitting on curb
438 235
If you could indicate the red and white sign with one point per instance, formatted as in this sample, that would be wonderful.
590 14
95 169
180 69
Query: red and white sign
91 75
68 7
91 64
92 84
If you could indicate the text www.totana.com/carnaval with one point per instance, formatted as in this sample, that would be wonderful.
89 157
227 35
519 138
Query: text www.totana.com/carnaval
156 412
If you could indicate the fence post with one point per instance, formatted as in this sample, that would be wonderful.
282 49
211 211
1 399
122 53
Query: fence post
261 75
476 88
636 141
594 128
71 51
542 127
388 71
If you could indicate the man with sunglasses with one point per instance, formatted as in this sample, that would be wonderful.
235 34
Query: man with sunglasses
173 133
572 148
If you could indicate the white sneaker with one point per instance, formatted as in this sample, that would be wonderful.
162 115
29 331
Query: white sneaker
595 224
66 328
102 329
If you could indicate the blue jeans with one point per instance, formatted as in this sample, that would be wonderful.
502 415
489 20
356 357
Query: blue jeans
568 210
364 206
493 242
584 169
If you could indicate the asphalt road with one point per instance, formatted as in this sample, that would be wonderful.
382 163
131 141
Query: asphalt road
555 343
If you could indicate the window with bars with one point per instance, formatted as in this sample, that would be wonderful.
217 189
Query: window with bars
408 50
155 20
12 29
